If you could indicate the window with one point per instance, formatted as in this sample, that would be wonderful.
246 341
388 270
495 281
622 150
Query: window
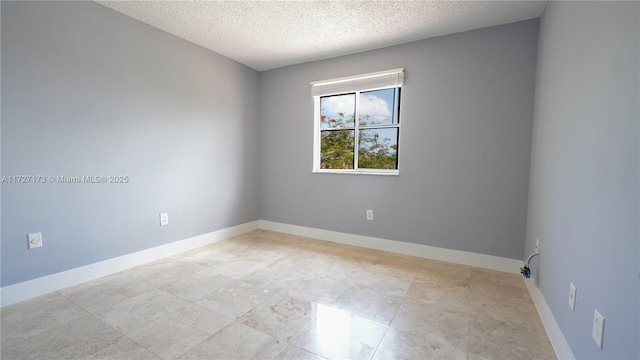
357 123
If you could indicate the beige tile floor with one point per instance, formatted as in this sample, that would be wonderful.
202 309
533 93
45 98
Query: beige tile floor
267 295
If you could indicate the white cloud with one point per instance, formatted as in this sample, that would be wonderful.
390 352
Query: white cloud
377 108
339 104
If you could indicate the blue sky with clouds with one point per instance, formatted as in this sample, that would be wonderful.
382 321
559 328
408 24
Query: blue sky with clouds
376 107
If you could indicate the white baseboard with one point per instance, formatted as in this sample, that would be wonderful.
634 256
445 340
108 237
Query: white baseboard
558 341
32 288
425 251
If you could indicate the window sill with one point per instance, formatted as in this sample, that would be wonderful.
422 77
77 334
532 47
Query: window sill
358 172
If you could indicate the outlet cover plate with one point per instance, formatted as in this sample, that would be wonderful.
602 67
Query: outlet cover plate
369 215
572 296
598 328
164 219
34 240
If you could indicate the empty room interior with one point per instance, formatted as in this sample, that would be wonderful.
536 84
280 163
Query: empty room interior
320 180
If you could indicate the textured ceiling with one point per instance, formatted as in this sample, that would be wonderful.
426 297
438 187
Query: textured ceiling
270 34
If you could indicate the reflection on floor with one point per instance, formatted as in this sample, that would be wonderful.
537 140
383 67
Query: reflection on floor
267 295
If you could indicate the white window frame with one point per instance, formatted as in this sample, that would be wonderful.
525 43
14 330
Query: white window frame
389 79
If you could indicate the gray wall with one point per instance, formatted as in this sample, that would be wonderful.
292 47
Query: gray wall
88 91
583 200
466 115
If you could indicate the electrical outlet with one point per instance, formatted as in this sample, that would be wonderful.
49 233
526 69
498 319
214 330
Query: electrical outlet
598 328
572 296
370 215
537 246
164 219
34 240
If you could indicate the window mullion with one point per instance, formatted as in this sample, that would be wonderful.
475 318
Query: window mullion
396 106
338 129
381 126
356 123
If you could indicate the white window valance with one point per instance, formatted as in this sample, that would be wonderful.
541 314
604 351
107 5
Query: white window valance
371 81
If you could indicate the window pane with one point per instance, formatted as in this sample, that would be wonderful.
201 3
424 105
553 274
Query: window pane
378 149
336 149
376 107
337 111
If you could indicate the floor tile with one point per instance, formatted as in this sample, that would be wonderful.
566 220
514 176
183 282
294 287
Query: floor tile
304 244
122 349
237 341
454 297
485 287
207 255
348 267
296 269
197 286
295 353
493 339
172 273
281 316
336 334
236 269
77 339
138 311
275 277
33 317
310 265
498 277
411 345
356 252
149 269
444 273
114 289
322 290
405 264
252 248
237 298
174 334
386 281
433 322
505 307
368 303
